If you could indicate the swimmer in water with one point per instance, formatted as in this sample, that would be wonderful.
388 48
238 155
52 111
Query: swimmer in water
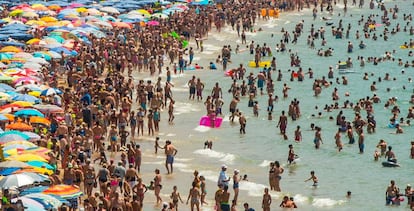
313 178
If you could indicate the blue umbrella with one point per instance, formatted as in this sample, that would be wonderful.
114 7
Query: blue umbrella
8 171
6 87
29 112
15 132
26 97
64 50
50 91
37 189
40 164
13 44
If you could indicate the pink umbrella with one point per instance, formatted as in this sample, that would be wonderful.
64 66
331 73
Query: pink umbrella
26 80
75 5
153 23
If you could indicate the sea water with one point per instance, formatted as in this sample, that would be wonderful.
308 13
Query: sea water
338 172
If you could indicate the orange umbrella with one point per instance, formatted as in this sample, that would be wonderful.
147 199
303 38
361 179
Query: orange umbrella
19 126
54 7
121 25
11 49
9 116
64 191
39 120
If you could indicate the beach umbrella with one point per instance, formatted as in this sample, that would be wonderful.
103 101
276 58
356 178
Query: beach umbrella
34 41
50 91
42 171
43 55
49 201
5 56
37 60
18 145
65 51
160 15
153 23
3 118
32 136
23 104
30 15
102 24
39 164
76 5
29 112
54 7
23 55
33 65
36 189
37 177
11 49
8 171
29 204
19 126
13 135
48 108
26 97
48 19
4 96
111 10
17 44
8 116
13 164
121 25
64 191
27 157
16 12
39 120
16 180
25 80
6 78
143 11
39 7
54 55
58 38
35 22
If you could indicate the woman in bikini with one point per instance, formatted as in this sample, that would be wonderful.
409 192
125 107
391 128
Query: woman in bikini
195 195
157 185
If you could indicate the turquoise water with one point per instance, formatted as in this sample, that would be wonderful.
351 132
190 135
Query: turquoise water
252 152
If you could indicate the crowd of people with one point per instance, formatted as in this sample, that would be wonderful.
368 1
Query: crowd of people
106 113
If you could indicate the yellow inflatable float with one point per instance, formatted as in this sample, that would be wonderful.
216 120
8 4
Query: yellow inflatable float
261 64
405 47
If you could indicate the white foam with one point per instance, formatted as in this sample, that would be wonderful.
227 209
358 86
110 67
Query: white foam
180 165
154 163
265 163
183 108
326 202
227 158
300 199
170 135
202 129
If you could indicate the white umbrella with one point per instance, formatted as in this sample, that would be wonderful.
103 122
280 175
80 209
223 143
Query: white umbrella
111 10
13 163
38 60
32 65
16 180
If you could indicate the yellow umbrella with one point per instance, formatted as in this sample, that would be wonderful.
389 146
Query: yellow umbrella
35 170
27 157
34 93
48 19
20 143
30 15
142 11
39 7
11 49
81 9
9 116
35 22
16 12
22 103
33 41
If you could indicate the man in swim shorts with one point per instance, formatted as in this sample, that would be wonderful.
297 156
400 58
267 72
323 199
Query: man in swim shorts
170 152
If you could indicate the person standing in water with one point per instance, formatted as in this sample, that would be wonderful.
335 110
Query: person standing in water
291 155
170 152
282 124
313 178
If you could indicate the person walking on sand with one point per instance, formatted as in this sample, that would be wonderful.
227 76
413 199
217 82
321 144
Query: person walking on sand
170 152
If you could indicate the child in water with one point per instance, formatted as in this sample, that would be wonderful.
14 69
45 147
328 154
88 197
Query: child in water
313 178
